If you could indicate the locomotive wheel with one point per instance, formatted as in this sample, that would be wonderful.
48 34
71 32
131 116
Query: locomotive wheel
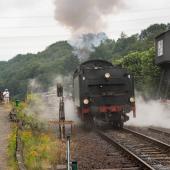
121 125
88 121
118 125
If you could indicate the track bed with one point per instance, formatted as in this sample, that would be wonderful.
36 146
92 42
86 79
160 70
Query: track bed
153 152
161 134
93 152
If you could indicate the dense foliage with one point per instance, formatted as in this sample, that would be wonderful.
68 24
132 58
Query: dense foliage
41 149
145 72
136 53
44 66
124 45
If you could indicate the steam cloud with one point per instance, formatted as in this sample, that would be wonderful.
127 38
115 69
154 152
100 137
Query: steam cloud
45 105
151 113
85 15
85 44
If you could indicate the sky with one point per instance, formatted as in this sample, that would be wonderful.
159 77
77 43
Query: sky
29 26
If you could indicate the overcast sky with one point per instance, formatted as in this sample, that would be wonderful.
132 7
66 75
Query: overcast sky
28 26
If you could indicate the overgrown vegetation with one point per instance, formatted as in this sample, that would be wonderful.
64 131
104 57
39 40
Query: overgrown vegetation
12 149
41 148
58 59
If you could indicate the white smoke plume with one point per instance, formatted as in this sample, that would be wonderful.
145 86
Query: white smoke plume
85 44
45 105
85 16
34 86
70 111
41 104
151 113
65 81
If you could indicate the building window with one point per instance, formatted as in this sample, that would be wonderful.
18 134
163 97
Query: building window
160 48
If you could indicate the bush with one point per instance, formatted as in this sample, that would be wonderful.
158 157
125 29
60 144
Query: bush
41 148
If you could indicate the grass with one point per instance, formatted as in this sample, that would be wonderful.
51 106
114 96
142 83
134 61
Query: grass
11 149
41 148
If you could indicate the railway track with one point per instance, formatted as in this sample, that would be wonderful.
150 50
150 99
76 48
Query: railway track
146 152
92 153
159 131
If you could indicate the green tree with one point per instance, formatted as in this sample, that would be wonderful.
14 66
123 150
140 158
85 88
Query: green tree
104 51
152 31
144 70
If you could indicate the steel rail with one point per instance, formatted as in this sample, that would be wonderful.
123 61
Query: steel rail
159 131
140 162
148 138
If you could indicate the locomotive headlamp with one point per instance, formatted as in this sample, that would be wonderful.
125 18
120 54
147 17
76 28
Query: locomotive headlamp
132 99
107 75
86 101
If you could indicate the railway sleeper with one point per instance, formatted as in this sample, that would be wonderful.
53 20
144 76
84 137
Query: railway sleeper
132 168
156 130
141 163
150 139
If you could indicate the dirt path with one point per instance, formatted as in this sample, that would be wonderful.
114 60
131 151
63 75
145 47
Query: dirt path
4 133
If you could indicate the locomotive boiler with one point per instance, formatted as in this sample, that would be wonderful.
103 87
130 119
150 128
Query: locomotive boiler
103 91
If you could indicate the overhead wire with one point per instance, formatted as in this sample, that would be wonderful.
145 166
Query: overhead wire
51 16
67 34
115 21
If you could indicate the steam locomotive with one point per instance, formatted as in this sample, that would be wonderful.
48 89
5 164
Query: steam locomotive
103 91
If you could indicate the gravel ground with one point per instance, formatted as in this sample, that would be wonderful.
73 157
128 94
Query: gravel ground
146 131
4 133
92 152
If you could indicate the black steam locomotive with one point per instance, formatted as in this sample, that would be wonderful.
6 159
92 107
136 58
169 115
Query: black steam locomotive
104 92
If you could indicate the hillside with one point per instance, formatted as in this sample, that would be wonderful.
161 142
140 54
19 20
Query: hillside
44 66
58 59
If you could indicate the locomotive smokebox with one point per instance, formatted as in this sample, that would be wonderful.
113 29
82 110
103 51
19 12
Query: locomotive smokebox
162 43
